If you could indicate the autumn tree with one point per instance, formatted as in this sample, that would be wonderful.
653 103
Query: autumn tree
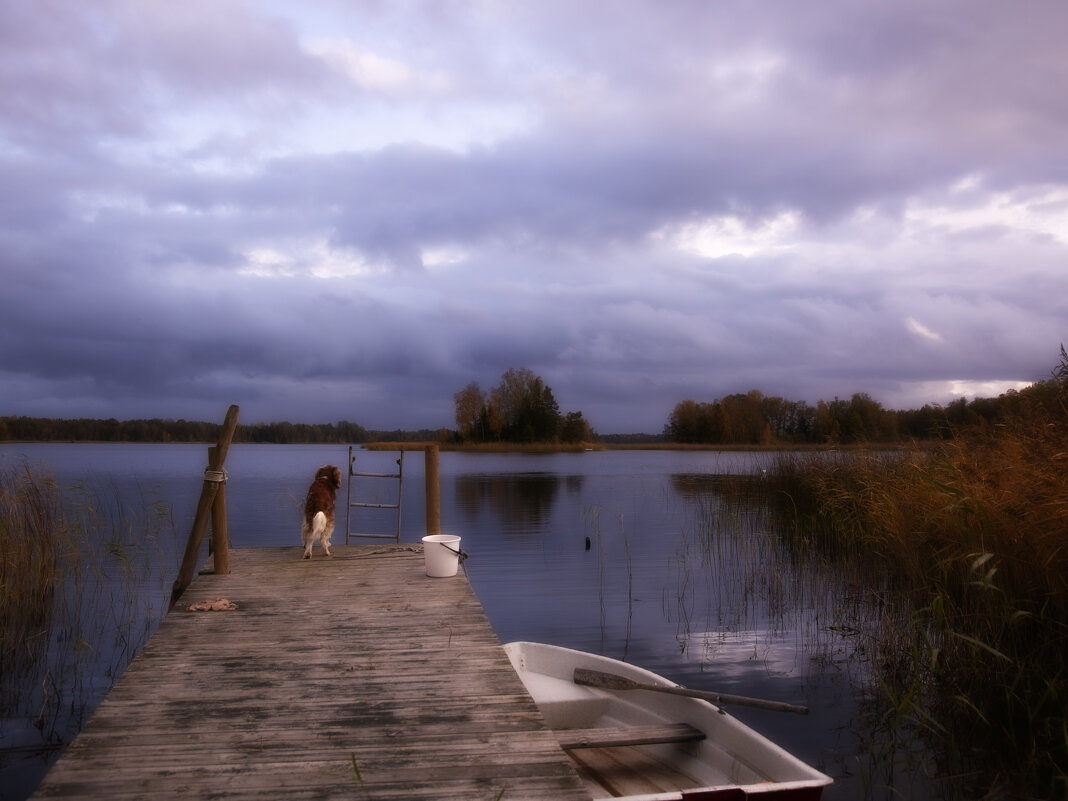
519 409
733 419
744 420
471 412
575 428
859 419
527 406
689 422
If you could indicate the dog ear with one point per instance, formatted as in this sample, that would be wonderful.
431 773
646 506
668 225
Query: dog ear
337 477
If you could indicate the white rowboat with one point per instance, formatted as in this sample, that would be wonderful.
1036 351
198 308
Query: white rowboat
649 745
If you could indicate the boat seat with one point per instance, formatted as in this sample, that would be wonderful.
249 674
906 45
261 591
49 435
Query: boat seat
628 735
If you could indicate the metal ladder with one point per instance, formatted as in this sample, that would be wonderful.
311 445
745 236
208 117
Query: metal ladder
399 476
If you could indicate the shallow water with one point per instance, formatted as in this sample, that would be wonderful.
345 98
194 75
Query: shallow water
638 555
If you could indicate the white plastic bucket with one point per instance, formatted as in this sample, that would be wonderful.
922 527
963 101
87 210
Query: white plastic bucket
441 552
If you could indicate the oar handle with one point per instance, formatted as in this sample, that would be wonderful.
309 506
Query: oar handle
738 700
610 681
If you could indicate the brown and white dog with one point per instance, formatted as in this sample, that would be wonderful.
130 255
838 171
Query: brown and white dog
318 521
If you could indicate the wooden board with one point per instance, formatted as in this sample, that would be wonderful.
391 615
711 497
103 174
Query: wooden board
351 677
630 771
628 735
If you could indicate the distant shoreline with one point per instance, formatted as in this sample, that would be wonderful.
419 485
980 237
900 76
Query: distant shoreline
515 447
548 447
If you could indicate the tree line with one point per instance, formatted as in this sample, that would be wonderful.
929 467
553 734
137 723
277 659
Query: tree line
41 429
756 419
521 408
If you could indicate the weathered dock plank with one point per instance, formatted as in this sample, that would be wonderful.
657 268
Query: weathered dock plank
351 677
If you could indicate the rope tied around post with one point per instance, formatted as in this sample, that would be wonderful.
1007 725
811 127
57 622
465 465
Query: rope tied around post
212 505
216 476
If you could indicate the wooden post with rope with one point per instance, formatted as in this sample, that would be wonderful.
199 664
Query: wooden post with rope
433 497
214 478
219 545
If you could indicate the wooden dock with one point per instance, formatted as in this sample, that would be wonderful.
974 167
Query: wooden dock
351 677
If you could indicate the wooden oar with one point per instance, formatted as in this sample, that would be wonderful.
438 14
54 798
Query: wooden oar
610 681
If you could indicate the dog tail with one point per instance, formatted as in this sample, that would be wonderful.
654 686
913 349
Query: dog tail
318 526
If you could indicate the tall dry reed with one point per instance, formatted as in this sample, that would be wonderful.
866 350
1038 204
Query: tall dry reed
32 540
972 537
83 581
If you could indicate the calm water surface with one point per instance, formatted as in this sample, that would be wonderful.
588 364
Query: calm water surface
676 576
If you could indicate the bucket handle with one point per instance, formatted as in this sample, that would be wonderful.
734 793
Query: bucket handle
459 552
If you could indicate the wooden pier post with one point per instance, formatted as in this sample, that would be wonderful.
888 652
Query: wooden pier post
433 497
220 540
213 479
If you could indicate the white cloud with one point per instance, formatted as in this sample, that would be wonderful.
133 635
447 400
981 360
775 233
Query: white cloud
919 329
444 256
733 235
373 72
914 394
1027 211
984 389
309 258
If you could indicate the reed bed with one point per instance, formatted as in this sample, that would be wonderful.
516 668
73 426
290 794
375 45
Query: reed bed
748 578
33 540
970 540
83 582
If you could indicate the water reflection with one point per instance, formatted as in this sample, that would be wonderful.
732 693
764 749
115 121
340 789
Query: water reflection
699 486
523 503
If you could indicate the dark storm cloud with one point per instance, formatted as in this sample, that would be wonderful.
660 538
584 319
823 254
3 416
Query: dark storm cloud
353 210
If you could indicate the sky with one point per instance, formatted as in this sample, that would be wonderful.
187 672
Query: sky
326 210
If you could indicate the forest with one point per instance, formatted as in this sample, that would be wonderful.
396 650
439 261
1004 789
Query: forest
523 409
41 429
756 419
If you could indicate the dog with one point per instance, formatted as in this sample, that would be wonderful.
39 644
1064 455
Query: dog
318 522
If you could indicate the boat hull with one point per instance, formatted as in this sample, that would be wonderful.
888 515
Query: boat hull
730 760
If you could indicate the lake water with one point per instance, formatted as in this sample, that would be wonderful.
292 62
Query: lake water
638 555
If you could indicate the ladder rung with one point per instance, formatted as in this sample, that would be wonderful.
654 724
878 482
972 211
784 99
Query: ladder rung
398 477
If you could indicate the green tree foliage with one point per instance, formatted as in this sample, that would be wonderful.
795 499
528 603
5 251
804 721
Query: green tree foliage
753 418
527 407
521 408
750 419
575 429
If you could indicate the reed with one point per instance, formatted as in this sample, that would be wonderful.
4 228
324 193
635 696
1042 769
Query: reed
606 549
972 540
83 582
33 539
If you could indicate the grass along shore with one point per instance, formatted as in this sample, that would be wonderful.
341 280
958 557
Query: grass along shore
971 540
83 581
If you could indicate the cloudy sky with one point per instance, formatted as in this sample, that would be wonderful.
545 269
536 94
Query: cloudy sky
345 209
